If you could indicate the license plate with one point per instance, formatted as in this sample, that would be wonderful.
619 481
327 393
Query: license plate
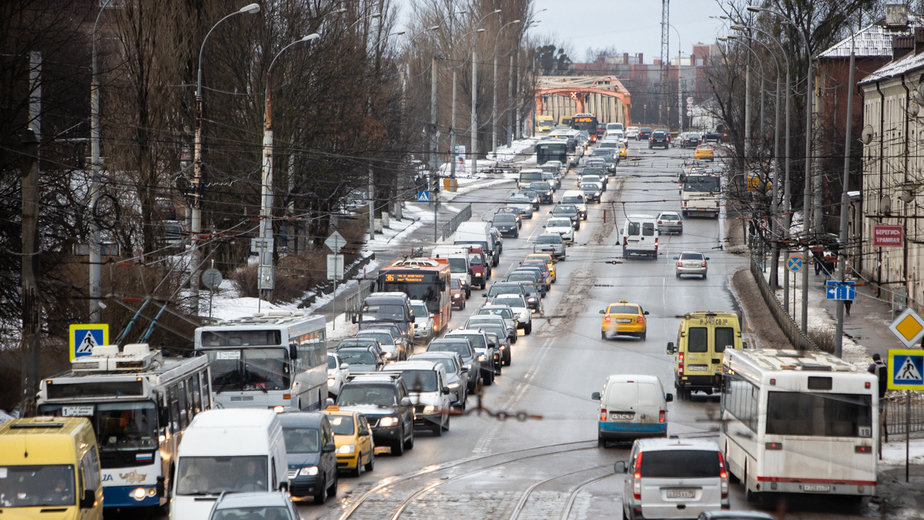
680 493
816 488
698 368
621 416
623 320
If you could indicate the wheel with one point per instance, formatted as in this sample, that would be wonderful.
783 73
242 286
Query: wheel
603 334
468 293
600 442
462 308
487 379
644 335
678 275
371 464
321 496
704 276
358 472
507 357
529 328
514 338
409 444
332 491
446 426
498 369
625 253
398 447
437 429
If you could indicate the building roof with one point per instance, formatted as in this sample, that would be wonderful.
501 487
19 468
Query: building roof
895 68
874 40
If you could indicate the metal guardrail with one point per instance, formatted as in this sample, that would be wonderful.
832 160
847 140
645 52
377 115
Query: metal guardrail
450 227
894 409
799 340
353 302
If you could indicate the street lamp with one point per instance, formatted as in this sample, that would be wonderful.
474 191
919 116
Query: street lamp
807 192
474 136
513 131
265 271
494 89
196 212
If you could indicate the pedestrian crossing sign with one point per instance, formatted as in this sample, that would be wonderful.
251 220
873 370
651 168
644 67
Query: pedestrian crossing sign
83 337
906 370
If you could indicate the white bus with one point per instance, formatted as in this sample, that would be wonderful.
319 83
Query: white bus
276 360
799 422
139 403
701 194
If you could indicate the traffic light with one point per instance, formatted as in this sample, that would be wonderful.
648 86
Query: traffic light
435 183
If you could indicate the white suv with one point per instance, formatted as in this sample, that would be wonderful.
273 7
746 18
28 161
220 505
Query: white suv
673 478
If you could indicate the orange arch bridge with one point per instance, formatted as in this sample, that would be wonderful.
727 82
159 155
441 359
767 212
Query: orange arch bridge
579 89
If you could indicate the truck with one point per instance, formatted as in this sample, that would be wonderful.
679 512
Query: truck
478 233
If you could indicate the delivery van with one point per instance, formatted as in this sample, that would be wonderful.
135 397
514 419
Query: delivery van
460 267
49 468
631 407
227 450
701 343
478 233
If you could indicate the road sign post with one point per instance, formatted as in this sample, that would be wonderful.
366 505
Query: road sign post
335 243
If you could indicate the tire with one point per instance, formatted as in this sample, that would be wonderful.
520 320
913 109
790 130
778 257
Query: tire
358 472
625 254
506 358
704 276
371 464
644 336
437 429
600 442
321 496
409 444
446 426
468 293
487 379
603 335
529 328
332 490
397 448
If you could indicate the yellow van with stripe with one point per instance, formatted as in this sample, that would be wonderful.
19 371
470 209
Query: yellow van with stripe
49 468
701 343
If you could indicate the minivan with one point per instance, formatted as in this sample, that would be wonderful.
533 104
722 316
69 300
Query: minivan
673 478
631 406
310 454
50 469
701 342
227 450
640 236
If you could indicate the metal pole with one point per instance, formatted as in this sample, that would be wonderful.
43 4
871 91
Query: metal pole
474 136
787 187
266 189
434 162
747 112
807 194
509 100
494 106
95 256
518 127
452 127
774 202
680 111
845 199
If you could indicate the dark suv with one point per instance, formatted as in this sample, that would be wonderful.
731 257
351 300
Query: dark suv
659 138
644 133
383 398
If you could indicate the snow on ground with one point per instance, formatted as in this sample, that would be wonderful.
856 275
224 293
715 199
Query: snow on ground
508 153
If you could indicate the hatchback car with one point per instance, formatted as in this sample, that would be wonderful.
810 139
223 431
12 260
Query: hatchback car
471 360
270 505
670 222
512 211
504 312
673 478
644 133
522 204
392 345
353 437
624 318
659 139
423 321
592 190
550 243
704 152
456 294
693 263
568 210
337 372
507 224
690 140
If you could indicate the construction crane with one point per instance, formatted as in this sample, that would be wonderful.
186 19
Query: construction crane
665 53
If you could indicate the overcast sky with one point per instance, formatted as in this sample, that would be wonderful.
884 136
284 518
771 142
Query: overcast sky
631 26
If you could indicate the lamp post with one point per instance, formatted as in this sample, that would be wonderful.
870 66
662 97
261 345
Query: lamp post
265 272
807 193
494 89
474 136
95 257
196 212
452 110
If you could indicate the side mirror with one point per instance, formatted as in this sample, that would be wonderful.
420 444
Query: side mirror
620 466
668 397
88 500
595 396
744 344
645 313
602 311
353 318
670 347
364 433
415 325
676 258
293 352
405 401
329 448
444 390
160 488
432 315
344 366
484 295
707 258
464 370
329 402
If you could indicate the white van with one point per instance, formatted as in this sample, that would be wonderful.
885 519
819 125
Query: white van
631 406
230 449
577 198
459 264
640 236
477 233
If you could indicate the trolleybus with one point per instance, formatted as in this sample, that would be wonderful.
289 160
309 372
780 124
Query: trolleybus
700 194
139 403
424 279
552 150
587 122
799 422
276 360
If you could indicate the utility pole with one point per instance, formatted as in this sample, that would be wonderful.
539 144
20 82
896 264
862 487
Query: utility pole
31 302
95 257
517 129
845 200
474 136
509 100
434 166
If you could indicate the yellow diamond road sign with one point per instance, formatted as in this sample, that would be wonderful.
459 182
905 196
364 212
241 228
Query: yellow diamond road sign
908 327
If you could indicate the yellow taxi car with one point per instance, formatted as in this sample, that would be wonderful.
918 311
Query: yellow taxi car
704 152
623 147
548 259
353 438
624 319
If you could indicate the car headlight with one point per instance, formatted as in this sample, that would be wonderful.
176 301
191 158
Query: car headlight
531 299
481 357
429 409
453 385
346 449
331 381
307 471
389 355
388 421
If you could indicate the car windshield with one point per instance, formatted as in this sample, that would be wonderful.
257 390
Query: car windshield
518 200
37 485
559 222
477 340
589 187
455 283
458 347
529 277
357 357
574 199
504 218
383 312
212 475
419 380
510 299
669 216
360 394
384 338
541 186
564 210
447 363
355 342
420 310
302 440
498 311
458 265
548 239
504 289
258 512
341 424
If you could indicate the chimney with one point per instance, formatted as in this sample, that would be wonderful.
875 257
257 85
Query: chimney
901 46
896 16
625 57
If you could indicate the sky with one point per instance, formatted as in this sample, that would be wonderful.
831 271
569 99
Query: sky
631 26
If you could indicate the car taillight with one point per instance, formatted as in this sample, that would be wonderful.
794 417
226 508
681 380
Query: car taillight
661 416
637 478
625 241
640 319
603 414
723 472
680 363
656 244
659 222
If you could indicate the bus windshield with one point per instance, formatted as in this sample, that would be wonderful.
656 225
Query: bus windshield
551 152
701 183
119 426
249 369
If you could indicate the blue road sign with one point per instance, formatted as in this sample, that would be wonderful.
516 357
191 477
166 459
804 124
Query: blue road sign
423 196
907 370
85 336
837 290
794 263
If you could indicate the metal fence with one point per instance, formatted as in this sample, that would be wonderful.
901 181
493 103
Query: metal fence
450 227
799 340
902 413
353 301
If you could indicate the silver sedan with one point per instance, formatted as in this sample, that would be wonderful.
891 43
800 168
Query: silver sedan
692 263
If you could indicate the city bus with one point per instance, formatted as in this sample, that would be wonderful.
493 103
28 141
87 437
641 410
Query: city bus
701 194
139 404
587 122
424 279
552 150
799 422
276 360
